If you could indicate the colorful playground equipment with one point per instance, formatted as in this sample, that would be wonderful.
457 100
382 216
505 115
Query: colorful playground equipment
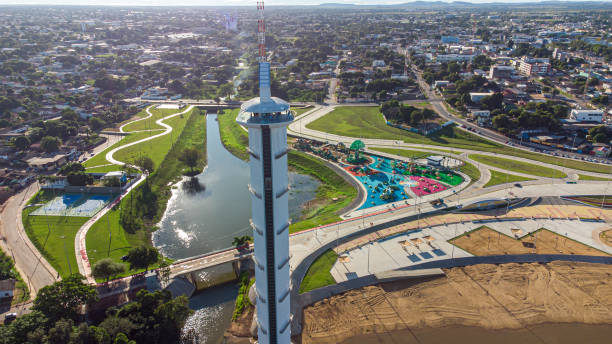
357 158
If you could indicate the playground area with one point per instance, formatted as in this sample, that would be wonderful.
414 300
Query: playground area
81 205
386 180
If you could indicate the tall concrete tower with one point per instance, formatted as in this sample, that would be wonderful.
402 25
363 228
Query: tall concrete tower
267 119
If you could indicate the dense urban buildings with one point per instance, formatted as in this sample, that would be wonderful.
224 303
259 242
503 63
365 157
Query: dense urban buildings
174 175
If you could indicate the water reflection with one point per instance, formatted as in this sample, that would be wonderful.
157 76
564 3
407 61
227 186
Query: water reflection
192 185
207 211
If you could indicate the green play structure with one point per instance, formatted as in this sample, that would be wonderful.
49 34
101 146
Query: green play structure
356 158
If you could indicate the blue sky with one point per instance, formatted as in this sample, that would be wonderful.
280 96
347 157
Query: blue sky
219 3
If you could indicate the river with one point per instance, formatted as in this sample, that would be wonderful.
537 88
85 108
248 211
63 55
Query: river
204 215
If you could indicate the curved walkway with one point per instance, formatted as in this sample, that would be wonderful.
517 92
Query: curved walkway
298 128
168 130
81 236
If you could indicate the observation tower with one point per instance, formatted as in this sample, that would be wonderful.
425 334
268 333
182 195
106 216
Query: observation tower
267 118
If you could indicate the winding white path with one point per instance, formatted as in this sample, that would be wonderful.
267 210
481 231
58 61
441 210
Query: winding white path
80 238
168 130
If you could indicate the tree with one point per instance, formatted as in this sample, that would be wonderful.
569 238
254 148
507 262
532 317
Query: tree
60 333
22 143
79 179
145 164
96 123
164 271
123 339
107 268
17 332
50 143
142 257
71 167
190 157
241 241
494 101
69 115
62 299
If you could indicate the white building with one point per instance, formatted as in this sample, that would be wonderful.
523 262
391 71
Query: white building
378 63
476 97
267 119
481 114
587 115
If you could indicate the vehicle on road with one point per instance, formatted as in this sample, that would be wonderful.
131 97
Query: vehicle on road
9 317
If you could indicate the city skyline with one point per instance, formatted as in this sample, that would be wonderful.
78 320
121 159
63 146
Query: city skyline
231 3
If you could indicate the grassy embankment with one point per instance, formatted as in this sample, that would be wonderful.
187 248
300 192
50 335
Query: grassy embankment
300 111
192 134
585 177
333 186
502 178
467 168
318 274
517 166
21 292
53 236
368 122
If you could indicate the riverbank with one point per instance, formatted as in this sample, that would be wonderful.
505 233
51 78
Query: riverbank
333 195
486 298
149 200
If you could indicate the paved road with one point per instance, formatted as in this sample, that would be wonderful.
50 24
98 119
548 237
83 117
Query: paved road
299 128
34 269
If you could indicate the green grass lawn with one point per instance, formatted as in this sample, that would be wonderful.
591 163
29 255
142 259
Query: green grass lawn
502 178
234 138
368 122
193 135
100 158
585 177
157 148
318 274
333 186
97 241
471 171
299 111
46 234
149 123
517 166
408 153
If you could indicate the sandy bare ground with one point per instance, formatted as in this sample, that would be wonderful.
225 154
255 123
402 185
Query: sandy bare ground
509 296
485 241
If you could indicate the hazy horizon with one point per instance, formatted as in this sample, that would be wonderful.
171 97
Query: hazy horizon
216 3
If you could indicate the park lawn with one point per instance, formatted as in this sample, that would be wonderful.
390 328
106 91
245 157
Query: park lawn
585 177
324 209
517 166
408 153
502 178
149 123
171 168
97 242
234 138
368 122
100 158
46 233
157 148
318 274
300 111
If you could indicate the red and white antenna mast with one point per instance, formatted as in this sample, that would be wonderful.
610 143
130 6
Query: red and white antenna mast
261 31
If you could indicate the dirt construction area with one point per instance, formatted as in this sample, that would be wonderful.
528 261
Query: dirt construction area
485 241
477 299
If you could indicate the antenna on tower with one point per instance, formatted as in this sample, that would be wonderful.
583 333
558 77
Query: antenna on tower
264 65
261 31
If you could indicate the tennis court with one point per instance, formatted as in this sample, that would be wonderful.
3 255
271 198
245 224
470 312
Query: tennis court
74 205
